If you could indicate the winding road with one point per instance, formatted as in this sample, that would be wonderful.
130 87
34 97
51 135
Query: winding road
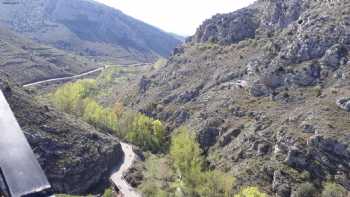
117 176
129 155
79 75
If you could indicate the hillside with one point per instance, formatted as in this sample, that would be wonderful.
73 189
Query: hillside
266 90
88 28
75 157
27 61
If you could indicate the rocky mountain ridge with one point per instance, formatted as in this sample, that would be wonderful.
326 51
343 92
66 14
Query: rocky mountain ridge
27 61
88 28
261 87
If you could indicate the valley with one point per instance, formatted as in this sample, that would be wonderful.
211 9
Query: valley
254 104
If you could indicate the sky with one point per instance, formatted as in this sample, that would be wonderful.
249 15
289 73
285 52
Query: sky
176 16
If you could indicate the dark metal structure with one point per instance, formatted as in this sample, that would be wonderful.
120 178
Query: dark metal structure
21 174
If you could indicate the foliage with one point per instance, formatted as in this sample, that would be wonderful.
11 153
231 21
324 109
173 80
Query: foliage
108 193
75 98
145 132
186 153
216 184
333 190
159 63
67 97
305 190
188 161
250 192
106 77
118 109
99 116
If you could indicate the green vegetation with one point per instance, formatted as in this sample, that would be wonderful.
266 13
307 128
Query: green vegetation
74 98
333 190
250 192
143 131
195 179
108 193
183 173
305 190
159 63
77 99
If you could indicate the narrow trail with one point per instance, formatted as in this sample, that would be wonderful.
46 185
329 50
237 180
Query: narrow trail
77 76
117 176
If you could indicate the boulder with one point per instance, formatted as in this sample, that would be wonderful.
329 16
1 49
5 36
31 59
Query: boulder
344 104
334 56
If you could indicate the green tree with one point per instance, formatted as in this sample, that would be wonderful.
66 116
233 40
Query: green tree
67 97
143 131
186 153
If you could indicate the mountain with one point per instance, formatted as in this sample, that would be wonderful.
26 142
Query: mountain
266 90
87 28
27 61
179 37
76 158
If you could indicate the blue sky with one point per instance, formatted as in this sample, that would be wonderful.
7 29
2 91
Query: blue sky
177 16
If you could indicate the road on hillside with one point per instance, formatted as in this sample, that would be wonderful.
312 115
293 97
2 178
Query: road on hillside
77 76
117 176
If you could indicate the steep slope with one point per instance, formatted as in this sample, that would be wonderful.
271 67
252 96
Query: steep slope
88 28
26 61
75 157
260 87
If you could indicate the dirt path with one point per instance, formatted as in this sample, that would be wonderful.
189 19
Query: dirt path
117 177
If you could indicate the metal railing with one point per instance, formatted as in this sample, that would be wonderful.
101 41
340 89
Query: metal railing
21 174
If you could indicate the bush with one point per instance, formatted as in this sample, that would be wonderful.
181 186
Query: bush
333 190
305 190
108 193
250 192
215 184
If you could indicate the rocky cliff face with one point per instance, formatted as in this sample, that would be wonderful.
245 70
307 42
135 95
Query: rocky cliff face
88 28
266 90
75 157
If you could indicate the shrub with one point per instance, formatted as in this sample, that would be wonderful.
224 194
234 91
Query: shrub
108 193
250 192
216 183
333 190
305 190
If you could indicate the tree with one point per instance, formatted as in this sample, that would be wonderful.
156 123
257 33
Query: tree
188 161
185 152
145 132
67 97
